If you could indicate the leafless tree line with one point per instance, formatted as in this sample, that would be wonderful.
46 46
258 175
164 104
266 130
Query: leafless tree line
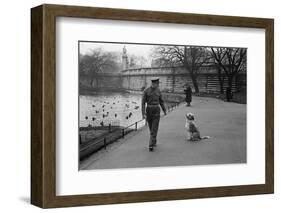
228 61
97 62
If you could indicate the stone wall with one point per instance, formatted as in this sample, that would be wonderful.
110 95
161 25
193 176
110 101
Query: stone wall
174 79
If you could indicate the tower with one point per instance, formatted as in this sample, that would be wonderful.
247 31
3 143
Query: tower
125 61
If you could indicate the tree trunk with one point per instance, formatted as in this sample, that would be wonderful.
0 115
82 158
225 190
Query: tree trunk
221 79
191 70
194 81
230 79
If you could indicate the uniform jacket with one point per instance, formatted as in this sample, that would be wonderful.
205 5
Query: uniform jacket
152 96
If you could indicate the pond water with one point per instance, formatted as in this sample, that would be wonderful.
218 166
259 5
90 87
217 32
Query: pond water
116 109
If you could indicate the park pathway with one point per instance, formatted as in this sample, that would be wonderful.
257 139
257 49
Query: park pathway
224 122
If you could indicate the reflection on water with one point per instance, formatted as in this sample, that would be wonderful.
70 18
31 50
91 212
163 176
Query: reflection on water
117 109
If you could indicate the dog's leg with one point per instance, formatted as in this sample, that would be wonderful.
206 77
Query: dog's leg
188 136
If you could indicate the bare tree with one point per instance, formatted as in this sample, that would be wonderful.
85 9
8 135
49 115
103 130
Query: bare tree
190 57
221 77
168 55
195 57
230 60
96 63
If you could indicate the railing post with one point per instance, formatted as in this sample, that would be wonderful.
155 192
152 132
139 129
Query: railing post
104 142
123 133
136 126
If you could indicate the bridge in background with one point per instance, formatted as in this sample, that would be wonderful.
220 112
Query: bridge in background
172 79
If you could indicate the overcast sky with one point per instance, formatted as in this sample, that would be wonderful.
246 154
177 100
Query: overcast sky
132 49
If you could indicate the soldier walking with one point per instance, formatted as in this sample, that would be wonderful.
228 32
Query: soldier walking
151 100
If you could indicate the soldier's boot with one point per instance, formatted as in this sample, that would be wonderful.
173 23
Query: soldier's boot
154 144
151 147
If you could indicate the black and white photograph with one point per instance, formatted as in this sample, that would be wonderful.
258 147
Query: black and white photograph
157 105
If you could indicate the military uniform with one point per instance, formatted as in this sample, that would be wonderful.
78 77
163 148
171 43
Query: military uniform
152 97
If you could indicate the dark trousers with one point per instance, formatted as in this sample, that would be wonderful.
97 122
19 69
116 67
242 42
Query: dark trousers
153 118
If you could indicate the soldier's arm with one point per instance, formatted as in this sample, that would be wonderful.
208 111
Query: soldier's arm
161 102
143 101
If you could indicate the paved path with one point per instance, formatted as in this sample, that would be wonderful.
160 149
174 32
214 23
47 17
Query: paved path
224 122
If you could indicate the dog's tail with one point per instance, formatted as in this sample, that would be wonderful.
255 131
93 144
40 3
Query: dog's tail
205 137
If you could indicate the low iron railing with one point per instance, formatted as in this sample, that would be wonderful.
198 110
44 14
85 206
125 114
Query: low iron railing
93 145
